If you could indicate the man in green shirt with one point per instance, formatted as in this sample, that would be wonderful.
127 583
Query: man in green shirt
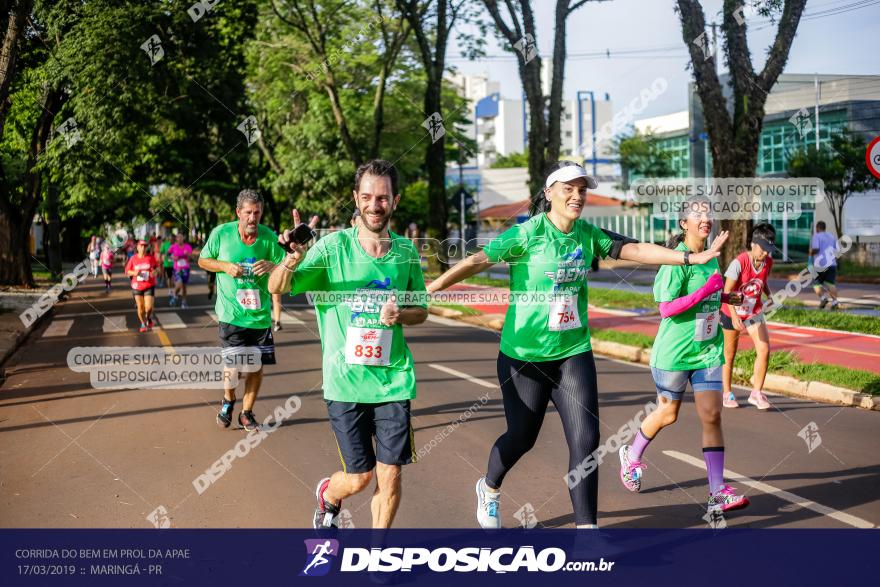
243 253
369 378
167 265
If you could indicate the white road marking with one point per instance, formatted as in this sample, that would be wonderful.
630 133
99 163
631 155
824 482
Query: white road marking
117 325
464 376
824 330
784 332
169 320
164 304
458 323
287 318
845 518
58 328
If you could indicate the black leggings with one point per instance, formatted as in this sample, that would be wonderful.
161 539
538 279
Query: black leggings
526 388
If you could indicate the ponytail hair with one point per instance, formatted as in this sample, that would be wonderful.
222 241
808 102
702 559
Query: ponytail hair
683 213
675 239
540 203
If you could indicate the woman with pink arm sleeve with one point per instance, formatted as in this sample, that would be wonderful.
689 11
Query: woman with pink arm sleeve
689 348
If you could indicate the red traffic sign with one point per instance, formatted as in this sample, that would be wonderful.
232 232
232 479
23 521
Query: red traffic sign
872 157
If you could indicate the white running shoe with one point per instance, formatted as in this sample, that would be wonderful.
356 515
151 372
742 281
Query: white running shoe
487 507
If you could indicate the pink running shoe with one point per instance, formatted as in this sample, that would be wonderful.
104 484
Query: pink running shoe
758 399
726 499
729 401
630 471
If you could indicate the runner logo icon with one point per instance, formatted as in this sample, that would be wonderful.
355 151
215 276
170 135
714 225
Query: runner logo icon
319 555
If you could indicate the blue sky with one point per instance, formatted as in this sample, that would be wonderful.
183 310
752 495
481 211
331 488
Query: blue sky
845 43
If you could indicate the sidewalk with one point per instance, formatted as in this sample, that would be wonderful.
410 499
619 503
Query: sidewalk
861 298
12 330
846 349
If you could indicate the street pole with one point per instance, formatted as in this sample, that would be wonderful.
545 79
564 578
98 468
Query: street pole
816 83
461 204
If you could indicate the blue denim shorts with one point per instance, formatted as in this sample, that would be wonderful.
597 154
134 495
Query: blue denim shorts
672 384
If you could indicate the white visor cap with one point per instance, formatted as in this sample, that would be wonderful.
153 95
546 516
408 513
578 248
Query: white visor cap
570 172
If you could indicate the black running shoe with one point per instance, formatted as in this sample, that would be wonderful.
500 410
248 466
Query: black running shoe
224 418
247 421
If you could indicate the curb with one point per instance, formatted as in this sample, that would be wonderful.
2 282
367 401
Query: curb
781 384
17 340
858 279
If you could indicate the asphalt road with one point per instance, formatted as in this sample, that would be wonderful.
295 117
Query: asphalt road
75 456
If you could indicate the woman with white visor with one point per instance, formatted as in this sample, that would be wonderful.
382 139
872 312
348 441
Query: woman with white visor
545 345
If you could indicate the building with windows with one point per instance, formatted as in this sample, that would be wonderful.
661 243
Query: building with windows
801 110
500 125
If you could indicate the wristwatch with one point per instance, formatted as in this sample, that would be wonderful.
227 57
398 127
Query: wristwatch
687 259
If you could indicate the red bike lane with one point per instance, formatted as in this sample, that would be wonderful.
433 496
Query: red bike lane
812 345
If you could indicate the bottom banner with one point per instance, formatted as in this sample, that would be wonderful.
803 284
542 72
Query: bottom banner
436 557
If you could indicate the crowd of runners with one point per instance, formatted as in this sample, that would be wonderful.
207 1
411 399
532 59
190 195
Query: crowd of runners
545 352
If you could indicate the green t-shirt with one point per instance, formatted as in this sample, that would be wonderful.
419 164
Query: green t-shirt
545 261
243 301
167 261
692 339
363 360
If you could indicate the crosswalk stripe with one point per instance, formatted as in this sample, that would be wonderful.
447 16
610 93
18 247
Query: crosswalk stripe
170 320
114 325
58 328
288 318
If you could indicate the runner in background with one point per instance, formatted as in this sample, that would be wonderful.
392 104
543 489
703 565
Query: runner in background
823 247
748 275
94 252
141 268
180 253
130 246
107 265
689 348
167 267
242 253
157 252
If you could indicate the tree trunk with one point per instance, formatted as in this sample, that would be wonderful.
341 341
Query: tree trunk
275 210
435 165
378 114
736 156
432 50
15 255
554 120
9 54
341 123
53 232
537 129
16 219
735 139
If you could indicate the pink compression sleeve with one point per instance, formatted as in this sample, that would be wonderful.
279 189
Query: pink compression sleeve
684 303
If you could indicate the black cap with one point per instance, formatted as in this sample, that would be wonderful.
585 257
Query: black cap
768 246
